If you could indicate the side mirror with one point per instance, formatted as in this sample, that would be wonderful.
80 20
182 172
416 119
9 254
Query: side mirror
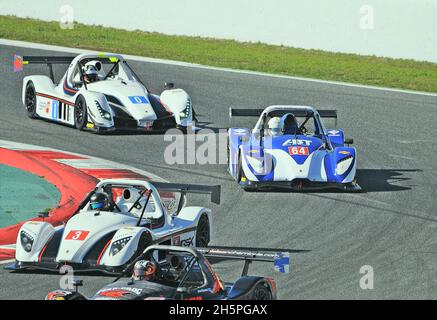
348 141
77 283
43 214
77 84
168 85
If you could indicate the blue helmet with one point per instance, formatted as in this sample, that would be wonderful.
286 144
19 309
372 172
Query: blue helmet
99 201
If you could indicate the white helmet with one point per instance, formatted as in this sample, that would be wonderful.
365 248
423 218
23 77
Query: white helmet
275 126
90 72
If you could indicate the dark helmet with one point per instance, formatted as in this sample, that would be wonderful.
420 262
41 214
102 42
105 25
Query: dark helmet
99 201
144 270
290 125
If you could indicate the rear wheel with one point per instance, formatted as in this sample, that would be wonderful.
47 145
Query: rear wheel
202 232
261 292
30 100
80 113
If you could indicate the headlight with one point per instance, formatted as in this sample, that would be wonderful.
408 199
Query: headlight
26 241
343 165
186 112
118 245
104 114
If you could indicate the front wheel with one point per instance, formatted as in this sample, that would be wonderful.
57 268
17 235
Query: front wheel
30 100
80 113
202 232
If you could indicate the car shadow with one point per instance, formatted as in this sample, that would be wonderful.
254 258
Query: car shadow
370 180
383 180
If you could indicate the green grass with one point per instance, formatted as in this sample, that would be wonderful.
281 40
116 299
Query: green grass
370 70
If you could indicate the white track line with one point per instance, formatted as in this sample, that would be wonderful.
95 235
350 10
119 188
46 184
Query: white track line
39 46
90 162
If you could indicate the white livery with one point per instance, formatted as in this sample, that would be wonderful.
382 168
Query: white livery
115 99
143 213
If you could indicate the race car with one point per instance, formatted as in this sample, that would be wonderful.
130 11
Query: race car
289 147
114 224
170 272
101 93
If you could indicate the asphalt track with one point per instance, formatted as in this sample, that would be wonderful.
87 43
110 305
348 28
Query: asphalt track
391 227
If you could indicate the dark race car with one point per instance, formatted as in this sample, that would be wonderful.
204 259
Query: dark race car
185 273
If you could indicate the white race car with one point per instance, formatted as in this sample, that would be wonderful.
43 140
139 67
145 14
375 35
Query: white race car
114 98
138 215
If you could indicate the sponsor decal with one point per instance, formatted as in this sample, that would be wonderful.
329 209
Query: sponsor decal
282 262
47 107
334 133
79 235
187 242
344 152
90 125
194 298
138 99
240 131
297 142
55 108
298 151
119 292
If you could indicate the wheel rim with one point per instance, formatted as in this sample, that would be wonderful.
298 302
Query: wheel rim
30 99
262 294
79 112
202 234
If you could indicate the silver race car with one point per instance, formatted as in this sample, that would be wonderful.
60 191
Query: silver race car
101 93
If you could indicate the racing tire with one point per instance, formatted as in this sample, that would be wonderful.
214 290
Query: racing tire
202 232
80 113
30 100
261 292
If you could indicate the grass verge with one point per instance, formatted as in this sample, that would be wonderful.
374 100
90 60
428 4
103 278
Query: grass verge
370 70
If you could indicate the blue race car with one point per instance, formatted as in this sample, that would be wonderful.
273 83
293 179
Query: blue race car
289 147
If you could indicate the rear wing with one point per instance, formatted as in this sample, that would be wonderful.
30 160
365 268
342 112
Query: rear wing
279 113
213 191
220 253
47 60
279 257
51 60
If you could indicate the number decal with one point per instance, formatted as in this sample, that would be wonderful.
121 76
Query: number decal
298 151
138 99
79 235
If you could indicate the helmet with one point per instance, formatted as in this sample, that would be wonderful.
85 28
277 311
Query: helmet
290 125
275 126
144 270
99 201
91 73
